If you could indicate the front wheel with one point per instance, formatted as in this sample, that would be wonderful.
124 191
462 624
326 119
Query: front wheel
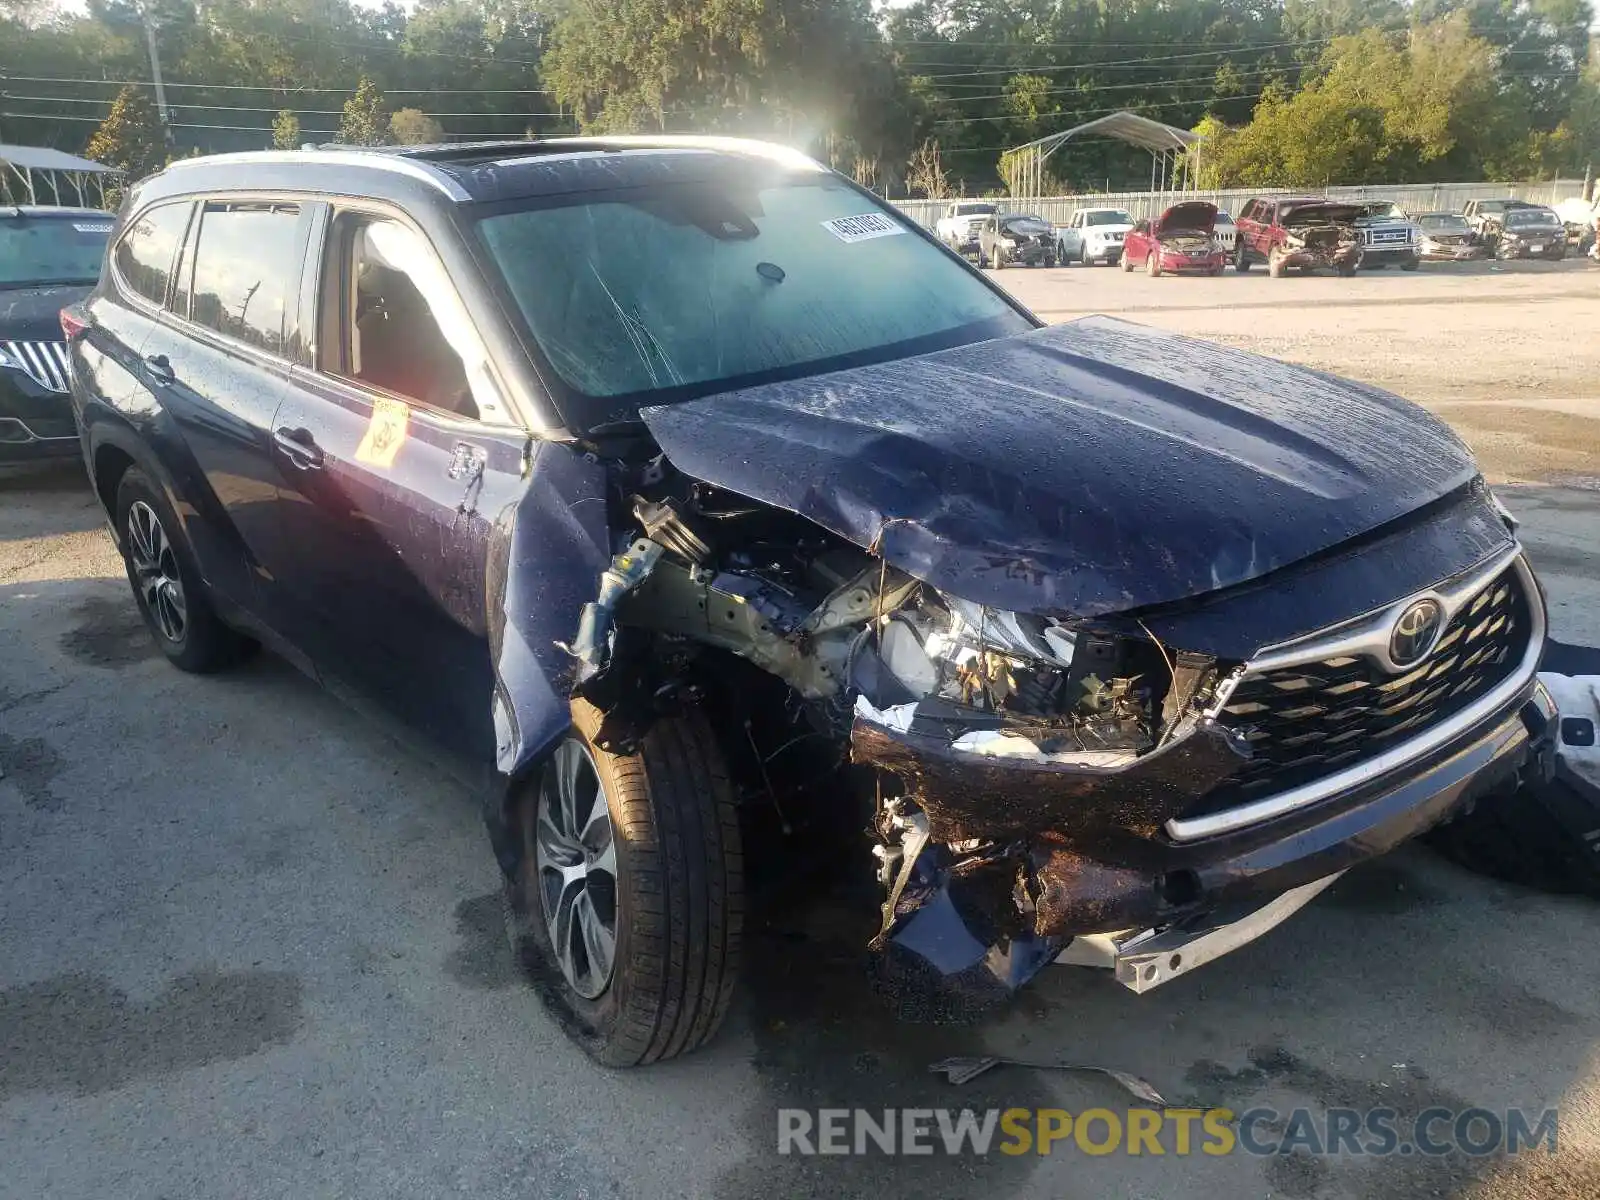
172 597
1241 263
626 900
1411 264
1152 265
1049 261
1275 265
1127 263
999 259
1083 255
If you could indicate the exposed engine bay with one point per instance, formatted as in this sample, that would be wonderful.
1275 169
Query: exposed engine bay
933 701
1328 233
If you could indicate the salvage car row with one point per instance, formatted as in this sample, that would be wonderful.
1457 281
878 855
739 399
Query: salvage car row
1282 233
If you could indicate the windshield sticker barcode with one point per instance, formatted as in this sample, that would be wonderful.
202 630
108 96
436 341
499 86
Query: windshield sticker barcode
95 228
863 227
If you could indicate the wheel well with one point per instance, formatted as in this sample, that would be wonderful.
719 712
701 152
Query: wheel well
110 465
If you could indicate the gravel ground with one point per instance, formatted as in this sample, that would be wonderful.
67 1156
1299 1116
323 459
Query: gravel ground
250 945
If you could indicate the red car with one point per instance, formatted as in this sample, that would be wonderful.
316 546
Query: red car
1179 241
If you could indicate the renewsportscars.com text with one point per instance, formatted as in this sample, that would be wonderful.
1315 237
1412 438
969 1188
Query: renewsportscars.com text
1177 1131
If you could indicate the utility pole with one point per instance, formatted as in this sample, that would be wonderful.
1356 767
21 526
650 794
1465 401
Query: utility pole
155 75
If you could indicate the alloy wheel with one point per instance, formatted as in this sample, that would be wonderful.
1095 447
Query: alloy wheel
155 569
576 860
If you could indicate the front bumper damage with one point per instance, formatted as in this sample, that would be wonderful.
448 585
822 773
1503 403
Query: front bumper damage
1045 706
1107 886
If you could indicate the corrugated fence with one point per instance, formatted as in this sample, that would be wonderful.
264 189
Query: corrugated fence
1423 197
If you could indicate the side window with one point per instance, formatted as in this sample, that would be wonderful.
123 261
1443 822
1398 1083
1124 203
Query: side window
386 333
148 246
244 266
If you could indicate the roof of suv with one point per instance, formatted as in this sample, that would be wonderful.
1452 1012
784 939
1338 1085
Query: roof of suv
499 170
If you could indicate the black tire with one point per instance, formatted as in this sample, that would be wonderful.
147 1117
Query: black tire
1275 266
1241 262
1411 264
1348 271
678 895
202 644
1127 263
983 261
999 258
1152 265
1083 255
1543 835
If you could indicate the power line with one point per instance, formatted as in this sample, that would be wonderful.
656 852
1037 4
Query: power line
1195 103
1108 87
320 112
284 91
1127 62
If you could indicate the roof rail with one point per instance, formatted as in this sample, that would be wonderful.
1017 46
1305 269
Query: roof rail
375 158
467 152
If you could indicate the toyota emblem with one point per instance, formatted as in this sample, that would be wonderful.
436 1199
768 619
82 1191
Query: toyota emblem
1415 632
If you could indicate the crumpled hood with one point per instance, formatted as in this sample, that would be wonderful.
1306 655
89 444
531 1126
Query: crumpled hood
1080 469
33 314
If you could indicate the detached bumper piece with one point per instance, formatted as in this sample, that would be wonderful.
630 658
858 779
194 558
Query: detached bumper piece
1148 958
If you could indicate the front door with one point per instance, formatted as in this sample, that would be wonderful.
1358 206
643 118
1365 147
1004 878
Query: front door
394 485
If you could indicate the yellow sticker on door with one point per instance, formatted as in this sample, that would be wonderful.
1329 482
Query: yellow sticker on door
386 433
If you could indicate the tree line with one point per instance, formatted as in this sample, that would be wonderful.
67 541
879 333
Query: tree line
921 98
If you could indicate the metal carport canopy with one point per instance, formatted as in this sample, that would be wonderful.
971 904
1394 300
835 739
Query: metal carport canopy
23 161
1129 127
1164 142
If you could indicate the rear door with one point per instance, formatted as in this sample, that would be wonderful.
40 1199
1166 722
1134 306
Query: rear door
395 480
215 363
122 311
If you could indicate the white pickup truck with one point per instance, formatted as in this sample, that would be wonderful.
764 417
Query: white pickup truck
959 226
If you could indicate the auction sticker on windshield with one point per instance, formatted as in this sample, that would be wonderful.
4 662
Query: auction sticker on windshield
862 228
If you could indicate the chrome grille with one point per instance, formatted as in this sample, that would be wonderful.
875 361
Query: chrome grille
1388 237
1308 720
43 362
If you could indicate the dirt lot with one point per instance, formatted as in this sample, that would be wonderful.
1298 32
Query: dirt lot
250 945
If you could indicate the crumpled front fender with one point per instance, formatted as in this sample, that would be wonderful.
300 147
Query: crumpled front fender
545 554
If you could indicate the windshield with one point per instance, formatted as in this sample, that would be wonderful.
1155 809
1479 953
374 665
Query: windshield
1443 223
1024 225
648 296
1384 209
40 250
1107 216
1223 218
1530 216
974 210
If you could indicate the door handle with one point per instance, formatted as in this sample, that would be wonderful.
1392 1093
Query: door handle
299 447
160 368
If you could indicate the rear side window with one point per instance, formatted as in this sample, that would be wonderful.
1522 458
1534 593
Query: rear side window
244 265
145 253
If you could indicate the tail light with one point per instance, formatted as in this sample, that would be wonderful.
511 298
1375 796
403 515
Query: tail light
73 321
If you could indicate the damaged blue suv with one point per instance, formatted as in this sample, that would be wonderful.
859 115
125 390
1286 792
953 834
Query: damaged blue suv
651 475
